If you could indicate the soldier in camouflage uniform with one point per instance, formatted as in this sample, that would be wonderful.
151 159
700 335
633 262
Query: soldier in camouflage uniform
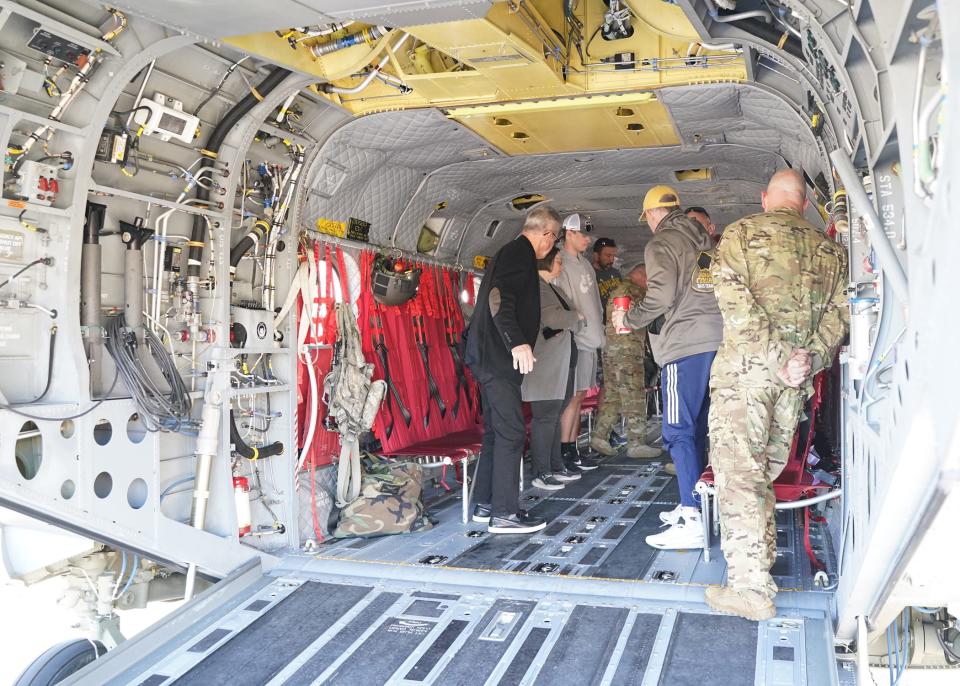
780 284
624 391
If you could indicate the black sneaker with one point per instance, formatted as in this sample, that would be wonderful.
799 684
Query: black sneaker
546 482
567 475
520 523
481 513
584 464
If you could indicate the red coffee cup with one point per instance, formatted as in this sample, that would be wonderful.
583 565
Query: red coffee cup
622 303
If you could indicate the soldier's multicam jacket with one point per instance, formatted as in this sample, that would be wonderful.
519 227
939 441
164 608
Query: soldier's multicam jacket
781 284
635 342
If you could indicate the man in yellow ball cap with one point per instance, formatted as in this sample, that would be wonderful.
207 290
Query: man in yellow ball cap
685 328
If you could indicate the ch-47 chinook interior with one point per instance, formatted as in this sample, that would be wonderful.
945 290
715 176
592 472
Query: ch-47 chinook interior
200 198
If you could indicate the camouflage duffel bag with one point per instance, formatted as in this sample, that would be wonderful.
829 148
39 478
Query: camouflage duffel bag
389 503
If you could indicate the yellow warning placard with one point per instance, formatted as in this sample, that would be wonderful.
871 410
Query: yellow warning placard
480 261
332 227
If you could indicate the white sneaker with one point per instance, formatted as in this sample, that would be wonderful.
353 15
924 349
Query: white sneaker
682 535
671 517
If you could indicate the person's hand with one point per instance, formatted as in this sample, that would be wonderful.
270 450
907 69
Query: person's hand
797 369
523 358
618 318
581 316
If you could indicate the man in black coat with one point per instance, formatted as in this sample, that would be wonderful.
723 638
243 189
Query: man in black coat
499 351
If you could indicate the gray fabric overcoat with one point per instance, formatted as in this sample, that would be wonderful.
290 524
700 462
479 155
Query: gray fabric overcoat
548 380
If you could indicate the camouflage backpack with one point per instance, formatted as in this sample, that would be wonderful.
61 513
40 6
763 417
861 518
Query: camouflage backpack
389 503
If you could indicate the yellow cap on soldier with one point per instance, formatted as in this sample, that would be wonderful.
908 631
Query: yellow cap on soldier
660 196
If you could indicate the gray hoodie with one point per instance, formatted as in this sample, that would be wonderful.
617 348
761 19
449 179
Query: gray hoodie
578 281
691 321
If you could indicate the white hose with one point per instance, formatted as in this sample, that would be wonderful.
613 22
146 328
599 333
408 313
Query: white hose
370 75
724 18
314 405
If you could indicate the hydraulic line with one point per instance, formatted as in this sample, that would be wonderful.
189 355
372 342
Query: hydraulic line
784 40
250 452
224 126
256 234
367 35
374 72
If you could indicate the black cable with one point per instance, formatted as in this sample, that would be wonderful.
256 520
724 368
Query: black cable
243 450
42 260
224 126
35 417
219 86
161 410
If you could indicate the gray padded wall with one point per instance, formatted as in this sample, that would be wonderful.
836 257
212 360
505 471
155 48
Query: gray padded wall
393 169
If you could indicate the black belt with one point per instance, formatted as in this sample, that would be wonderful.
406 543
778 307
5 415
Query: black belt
420 334
380 347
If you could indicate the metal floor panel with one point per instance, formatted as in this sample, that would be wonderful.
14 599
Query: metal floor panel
340 622
584 601
595 528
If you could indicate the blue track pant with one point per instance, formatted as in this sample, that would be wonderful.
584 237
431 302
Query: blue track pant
685 386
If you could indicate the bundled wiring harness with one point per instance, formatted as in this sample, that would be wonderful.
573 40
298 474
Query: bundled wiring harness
161 410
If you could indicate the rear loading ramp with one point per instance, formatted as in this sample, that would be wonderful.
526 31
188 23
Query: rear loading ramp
316 621
456 605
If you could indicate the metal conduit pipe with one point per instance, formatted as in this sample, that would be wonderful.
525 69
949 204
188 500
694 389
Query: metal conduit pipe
887 256
822 498
726 18
366 36
783 40
327 88
224 126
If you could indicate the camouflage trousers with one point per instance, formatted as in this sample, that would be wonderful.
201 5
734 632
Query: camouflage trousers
751 433
623 394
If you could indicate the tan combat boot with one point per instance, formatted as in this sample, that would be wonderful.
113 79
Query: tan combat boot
601 446
746 604
670 468
642 452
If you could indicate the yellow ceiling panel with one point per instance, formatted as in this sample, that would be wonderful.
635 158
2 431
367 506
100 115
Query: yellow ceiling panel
516 57
570 124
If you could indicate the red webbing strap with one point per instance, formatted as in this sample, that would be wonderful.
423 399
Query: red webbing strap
814 407
471 294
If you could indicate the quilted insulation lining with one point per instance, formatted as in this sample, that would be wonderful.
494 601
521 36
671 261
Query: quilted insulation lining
393 169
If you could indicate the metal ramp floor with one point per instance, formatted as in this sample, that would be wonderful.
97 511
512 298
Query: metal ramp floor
483 616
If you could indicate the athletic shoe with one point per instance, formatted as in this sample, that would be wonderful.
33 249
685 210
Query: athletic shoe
601 446
747 604
617 441
583 463
684 535
566 475
671 517
642 452
546 482
481 513
520 523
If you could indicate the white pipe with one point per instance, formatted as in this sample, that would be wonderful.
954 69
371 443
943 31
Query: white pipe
314 411
797 504
327 88
139 98
724 18
918 90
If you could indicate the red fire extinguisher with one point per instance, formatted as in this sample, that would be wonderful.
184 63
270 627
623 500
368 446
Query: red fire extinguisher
241 497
